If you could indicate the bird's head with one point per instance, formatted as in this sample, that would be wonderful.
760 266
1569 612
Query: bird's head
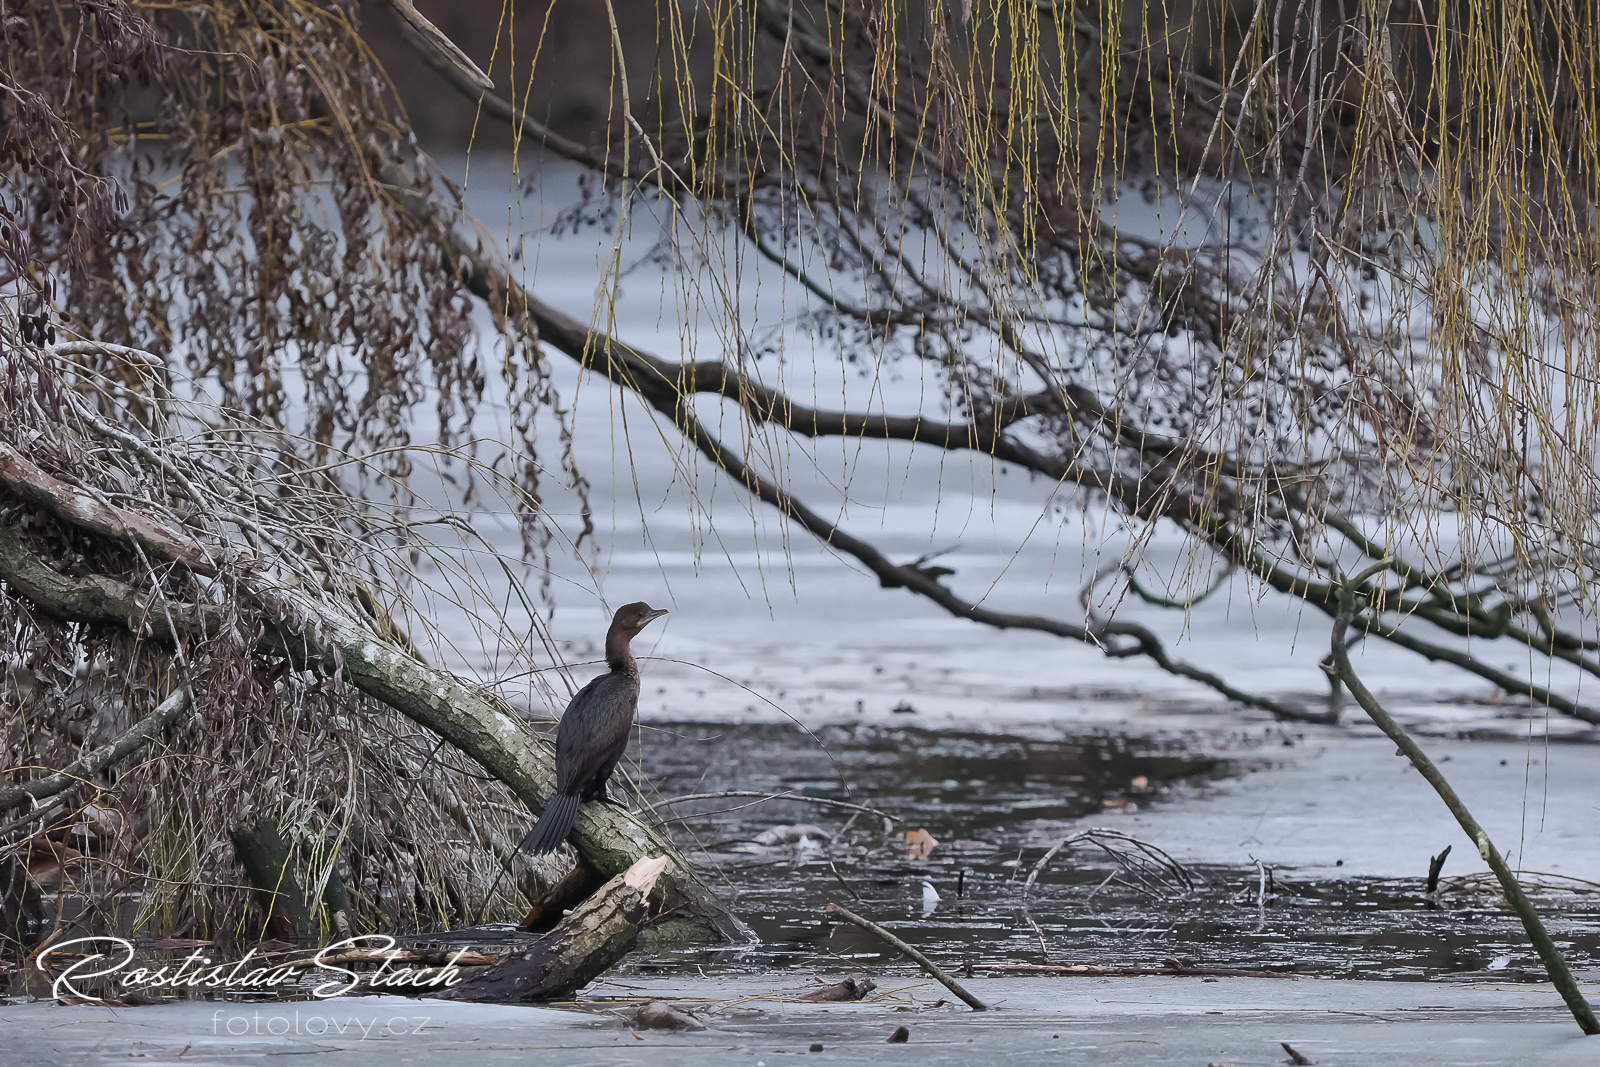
631 618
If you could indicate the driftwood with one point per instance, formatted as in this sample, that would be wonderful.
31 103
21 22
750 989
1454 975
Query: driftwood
659 1015
583 945
312 633
842 992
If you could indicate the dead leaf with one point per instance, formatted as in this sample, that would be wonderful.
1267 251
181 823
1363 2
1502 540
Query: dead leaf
900 1036
919 844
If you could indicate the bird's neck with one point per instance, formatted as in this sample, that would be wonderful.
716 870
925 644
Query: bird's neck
619 657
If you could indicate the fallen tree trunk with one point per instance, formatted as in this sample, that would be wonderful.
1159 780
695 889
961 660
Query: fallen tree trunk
586 943
311 633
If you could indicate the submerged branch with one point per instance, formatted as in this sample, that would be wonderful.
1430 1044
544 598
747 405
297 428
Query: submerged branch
938 973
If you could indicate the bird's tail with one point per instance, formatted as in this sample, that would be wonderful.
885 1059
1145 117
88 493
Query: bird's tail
551 829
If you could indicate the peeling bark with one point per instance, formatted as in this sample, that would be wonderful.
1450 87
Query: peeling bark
586 943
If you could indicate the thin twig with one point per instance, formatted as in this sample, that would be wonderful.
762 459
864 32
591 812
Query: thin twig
85 768
922 961
1142 855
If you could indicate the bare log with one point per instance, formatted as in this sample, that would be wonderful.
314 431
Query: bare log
583 945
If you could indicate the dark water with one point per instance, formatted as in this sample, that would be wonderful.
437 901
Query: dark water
996 803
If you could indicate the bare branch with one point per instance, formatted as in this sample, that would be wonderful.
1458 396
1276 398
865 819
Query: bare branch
440 49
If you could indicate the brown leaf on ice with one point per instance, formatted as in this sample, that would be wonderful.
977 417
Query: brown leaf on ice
919 844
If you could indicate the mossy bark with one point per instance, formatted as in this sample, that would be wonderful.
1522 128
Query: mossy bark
268 861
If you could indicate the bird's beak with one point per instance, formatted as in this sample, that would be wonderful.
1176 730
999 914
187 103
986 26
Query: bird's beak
653 616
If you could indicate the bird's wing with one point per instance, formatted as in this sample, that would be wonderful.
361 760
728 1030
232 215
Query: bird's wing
594 729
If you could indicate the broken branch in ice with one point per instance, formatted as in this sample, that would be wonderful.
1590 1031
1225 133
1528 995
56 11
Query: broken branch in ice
938 973
1555 963
1149 867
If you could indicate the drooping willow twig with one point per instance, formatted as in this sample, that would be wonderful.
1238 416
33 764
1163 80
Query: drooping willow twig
668 387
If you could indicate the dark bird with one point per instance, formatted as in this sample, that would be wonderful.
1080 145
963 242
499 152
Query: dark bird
594 731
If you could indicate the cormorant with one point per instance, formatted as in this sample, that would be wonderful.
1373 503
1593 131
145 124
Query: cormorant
594 731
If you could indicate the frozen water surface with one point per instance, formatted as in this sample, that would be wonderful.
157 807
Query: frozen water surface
1077 1021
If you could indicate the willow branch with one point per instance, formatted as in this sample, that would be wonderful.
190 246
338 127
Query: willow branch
441 51
1325 597
1555 964
28 481
669 387
84 769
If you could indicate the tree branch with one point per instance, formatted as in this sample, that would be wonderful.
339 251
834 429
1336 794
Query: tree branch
311 633
1554 962
669 387
82 770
